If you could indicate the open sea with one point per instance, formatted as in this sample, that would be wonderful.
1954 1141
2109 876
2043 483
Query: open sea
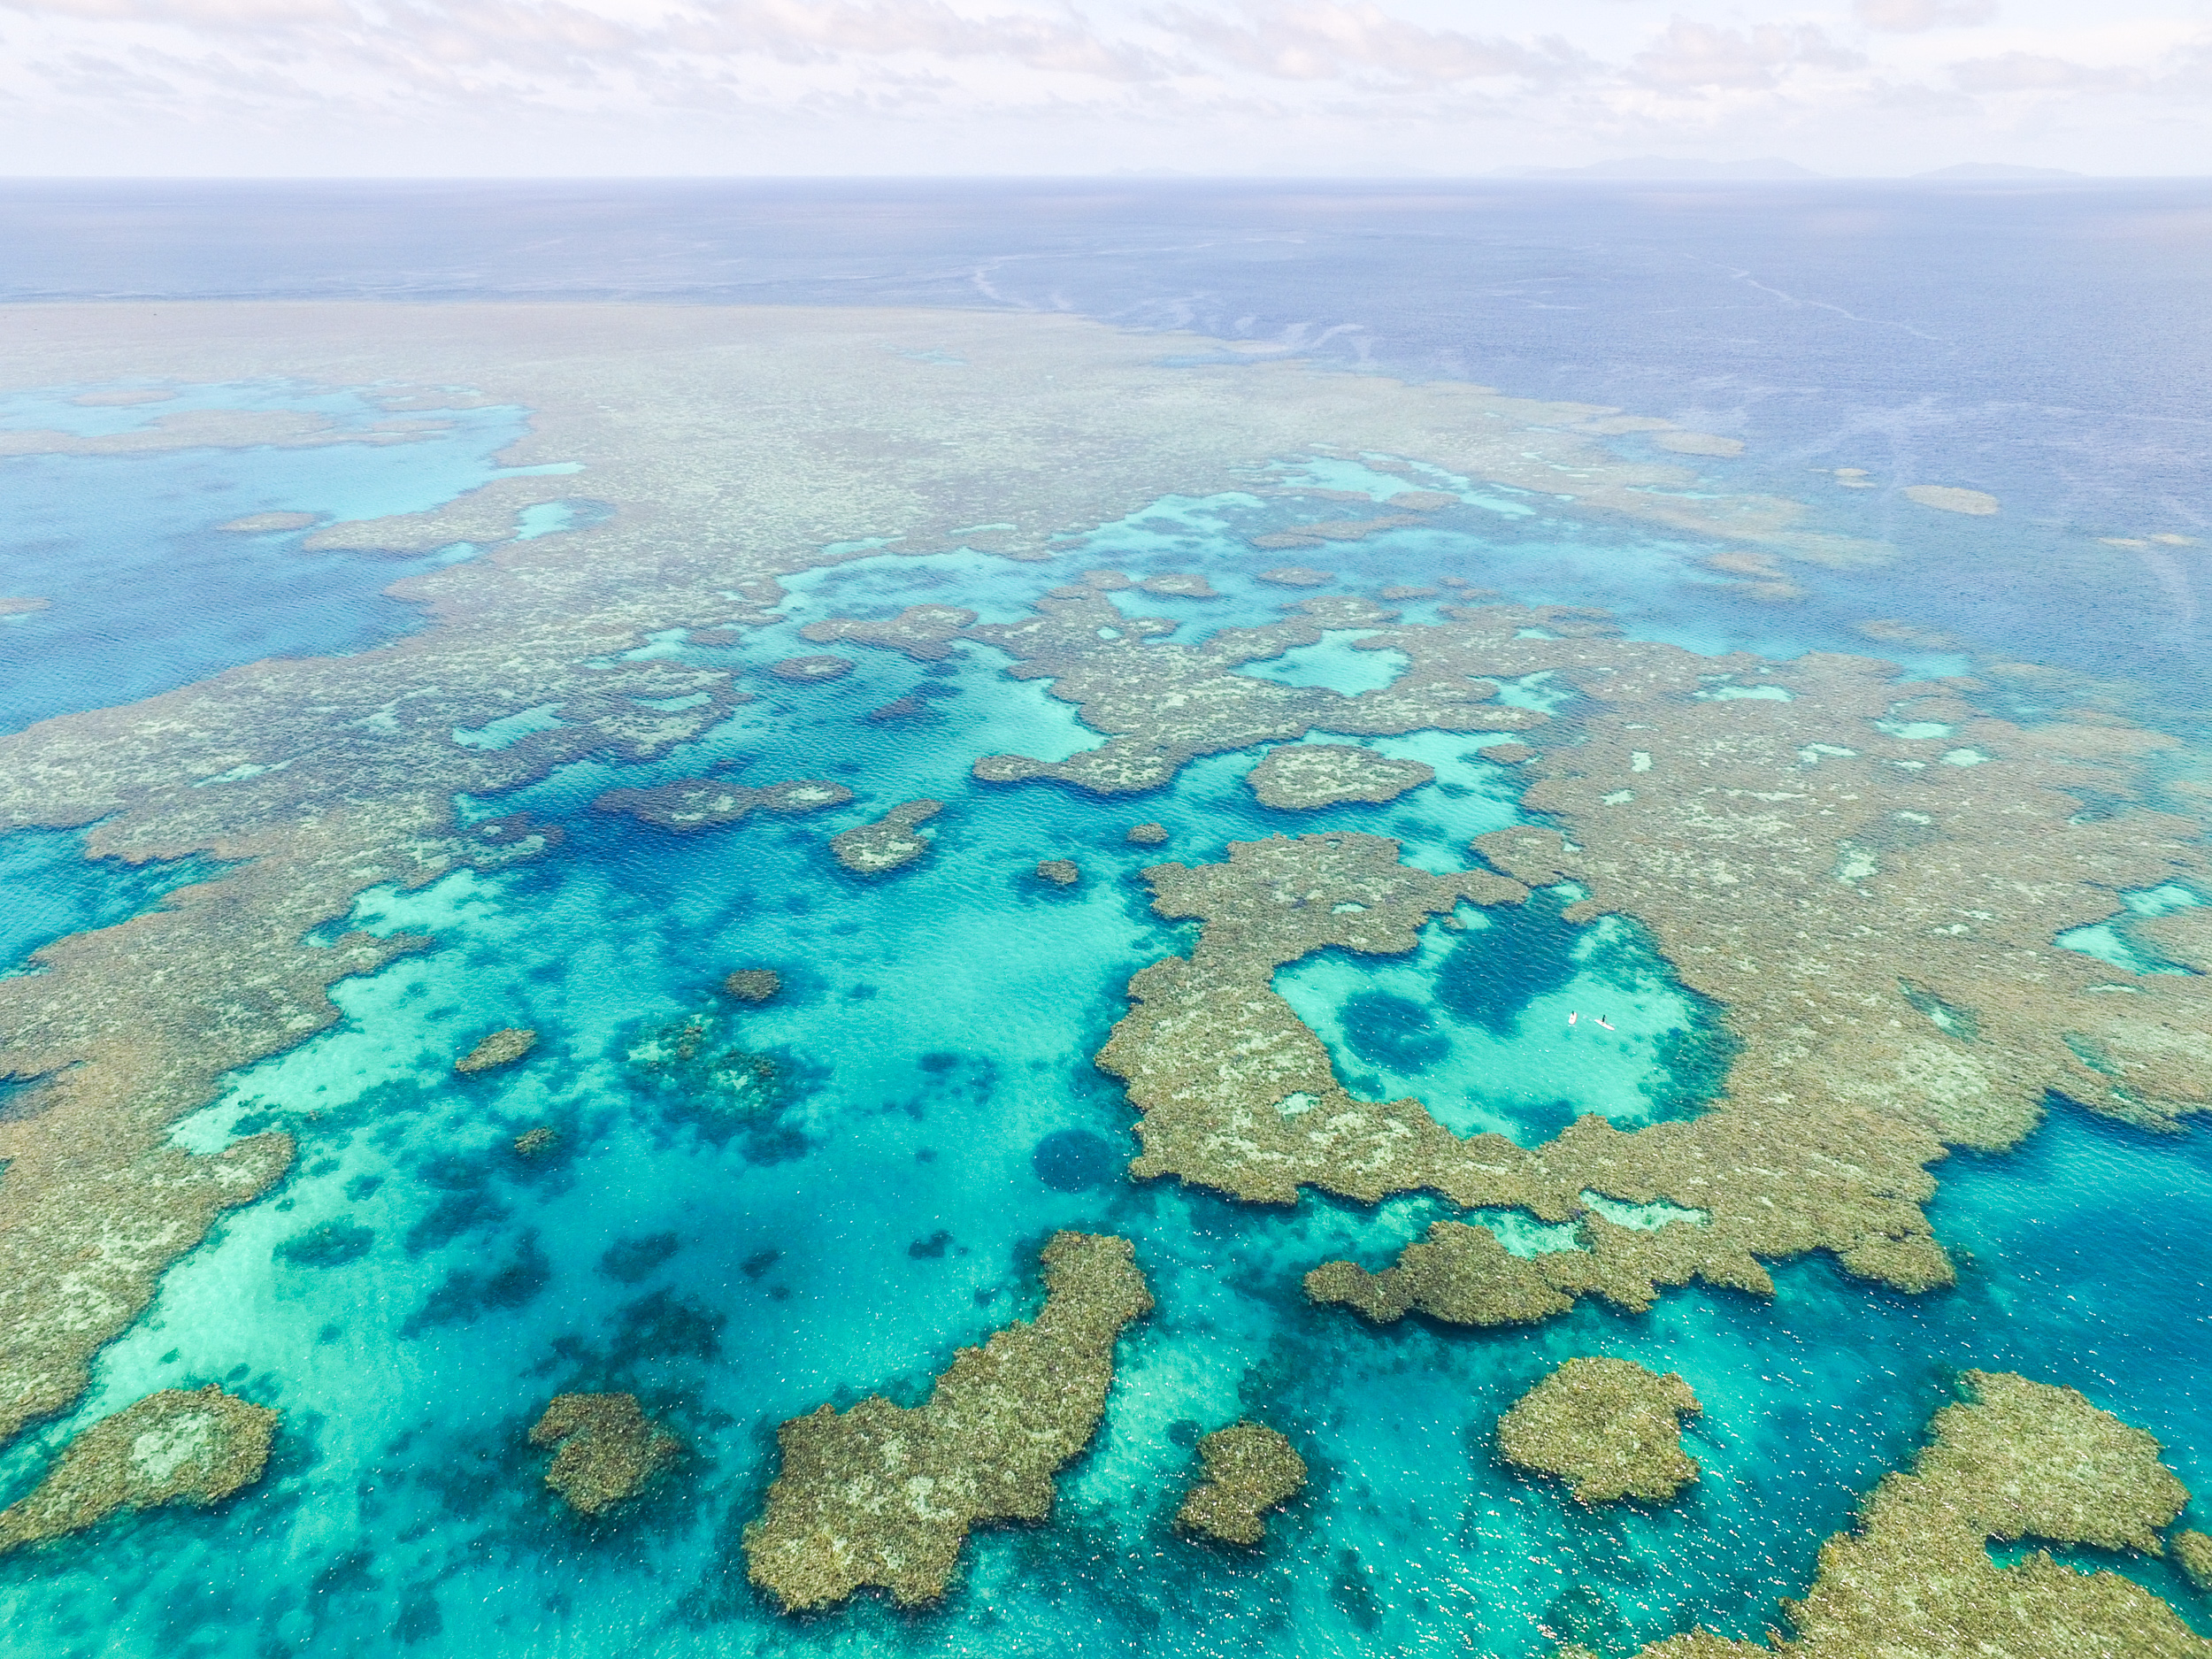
409 1299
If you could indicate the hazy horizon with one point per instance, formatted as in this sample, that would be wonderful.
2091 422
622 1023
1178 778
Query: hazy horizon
1242 88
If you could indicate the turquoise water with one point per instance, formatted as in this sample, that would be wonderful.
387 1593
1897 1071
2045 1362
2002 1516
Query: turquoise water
925 1113
148 595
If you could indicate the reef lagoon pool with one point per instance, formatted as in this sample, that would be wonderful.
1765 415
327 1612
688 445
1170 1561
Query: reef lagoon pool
953 975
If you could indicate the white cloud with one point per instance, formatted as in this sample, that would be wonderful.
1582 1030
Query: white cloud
470 86
1911 17
1695 57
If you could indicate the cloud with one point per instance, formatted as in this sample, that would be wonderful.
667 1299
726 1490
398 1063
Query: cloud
1911 17
1696 56
2031 71
1329 41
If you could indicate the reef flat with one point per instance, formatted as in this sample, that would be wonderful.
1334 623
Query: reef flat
1249 1470
1299 777
1608 1426
691 803
1824 850
500 1048
1914 1579
890 844
176 1447
609 1451
883 1495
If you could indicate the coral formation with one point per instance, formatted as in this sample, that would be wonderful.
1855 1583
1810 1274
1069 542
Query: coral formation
1062 873
1293 575
1949 499
1145 834
1915 1580
885 1496
808 670
888 844
753 984
1302 776
1826 852
610 1450
1250 1468
690 803
264 523
1179 585
924 632
22 605
1608 1426
535 1143
2194 1551
503 1047
179 1446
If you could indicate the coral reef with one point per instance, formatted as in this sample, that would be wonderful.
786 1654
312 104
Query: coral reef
610 1450
690 803
1302 776
1915 1580
1949 499
176 1447
732 446
1179 585
2194 1551
889 843
1828 853
22 605
536 1142
1145 834
1608 1426
753 984
1062 873
924 632
1250 1468
886 1496
503 1047
809 670
264 523
1293 575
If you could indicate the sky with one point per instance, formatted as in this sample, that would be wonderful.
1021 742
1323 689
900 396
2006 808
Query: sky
1302 88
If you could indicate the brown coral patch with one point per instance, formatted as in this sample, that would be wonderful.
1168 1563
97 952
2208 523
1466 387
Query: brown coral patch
1293 575
753 984
610 1450
1146 834
1062 873
691 803
503 1047
1250 1468
536 1142
1179 585
1508 754
889 843
886 1496
1609 1427
811 670
924 632
2194 1551
1403 592
1298 776
1915 1580
175 1447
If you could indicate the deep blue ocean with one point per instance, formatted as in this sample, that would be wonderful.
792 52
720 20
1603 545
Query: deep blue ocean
939 1114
